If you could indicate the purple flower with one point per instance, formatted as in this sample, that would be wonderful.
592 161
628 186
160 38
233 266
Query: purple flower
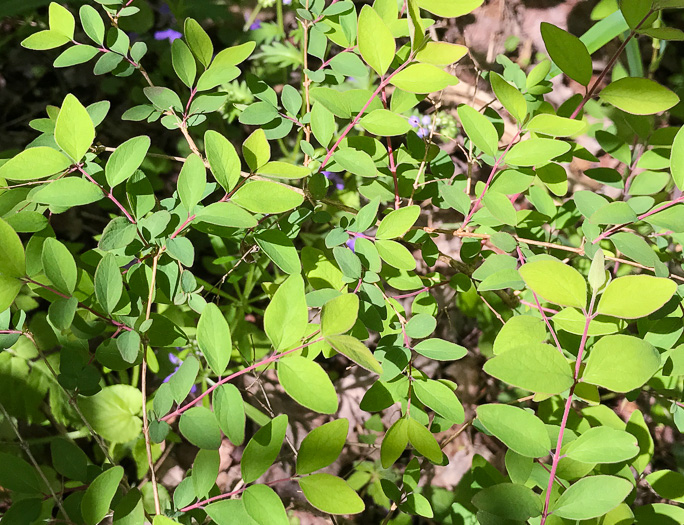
255 25
351 244
423 132
335 178
287 2
426 120
414 121
164 9
167 34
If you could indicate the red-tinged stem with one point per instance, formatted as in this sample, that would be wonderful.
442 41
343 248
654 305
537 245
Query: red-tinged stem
566 412
494 171
641 217
320 17
227 495
109 194
187 106
356 119
185 223
532 305
120 326
327 62
608 67
209 390
418 292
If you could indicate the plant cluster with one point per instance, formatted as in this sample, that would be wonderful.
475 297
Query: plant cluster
310 252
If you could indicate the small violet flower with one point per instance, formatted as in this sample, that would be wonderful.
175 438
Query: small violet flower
167 34
287 2
426 120
351 244
423 132
255 25
414 121
335 179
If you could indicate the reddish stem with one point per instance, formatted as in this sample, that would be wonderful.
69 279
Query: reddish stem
109 194
494 171
392 164
209 390
227 495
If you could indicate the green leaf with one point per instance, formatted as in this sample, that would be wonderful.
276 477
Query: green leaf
199 42
230 412
394 443
440 398
264 506
621 363
75 55
279 248
479 129
676 160
602 445
614 213
420 326
74 130
163 98
356 351
423 441
13 260
199 426
205 470
398 222
108 283
440 350
668 484
322 446
34 163
639 96
67 192
217 75
597 271
61 20
441 54
510 501
518 331
223 159
536 367
331 494
213 338
261 196
113 412
423 78
339 314
510 97
182 380
46 39
555 126
449 8
356 162
308 384
92 23
228 512
332 100
99 494
573 321
283 170
624 297
385 123
536 152
126 159
191 182
638 12
375 40
226 214
262 450
520 430
568 52
556 282
9 289
59 265
395 254
69 460
286 317
232 56
591 497
500 207
322 124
